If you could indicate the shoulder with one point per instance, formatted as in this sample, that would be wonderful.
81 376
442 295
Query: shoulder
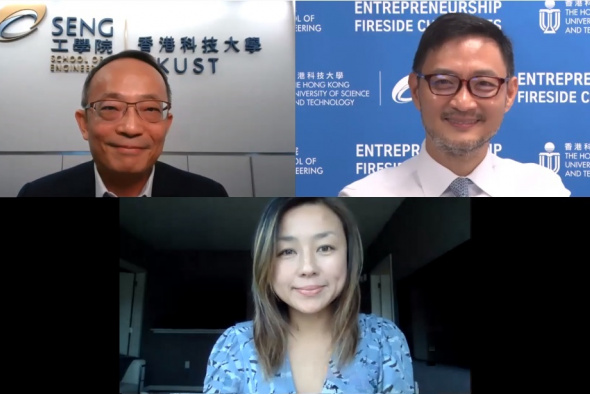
235 338
229 361
378 328
193 185
242 331
385 342
388 182
382 335
58 183
386 346
534 179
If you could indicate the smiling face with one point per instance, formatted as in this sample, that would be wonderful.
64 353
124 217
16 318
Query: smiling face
130 145
310 264
462 124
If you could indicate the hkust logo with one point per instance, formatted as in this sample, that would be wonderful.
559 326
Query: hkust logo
549 18
398 91
549 158
11 15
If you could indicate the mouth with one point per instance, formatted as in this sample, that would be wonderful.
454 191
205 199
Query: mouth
309 290
462 123
128 149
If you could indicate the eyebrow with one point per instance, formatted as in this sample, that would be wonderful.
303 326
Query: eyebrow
118 96
479 73
324 234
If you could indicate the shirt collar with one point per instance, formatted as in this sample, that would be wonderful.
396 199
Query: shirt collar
483 175
101 188
435 178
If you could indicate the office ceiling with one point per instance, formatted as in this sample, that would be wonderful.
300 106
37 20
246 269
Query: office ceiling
224 223
422 229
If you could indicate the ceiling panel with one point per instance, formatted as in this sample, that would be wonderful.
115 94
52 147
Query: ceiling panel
225 223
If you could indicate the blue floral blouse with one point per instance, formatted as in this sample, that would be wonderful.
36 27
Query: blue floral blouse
382 364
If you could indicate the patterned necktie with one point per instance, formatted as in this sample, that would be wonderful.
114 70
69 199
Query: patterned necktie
460 187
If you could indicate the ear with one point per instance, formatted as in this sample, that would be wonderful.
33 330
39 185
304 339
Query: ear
413 84
169 122
511 90
82 123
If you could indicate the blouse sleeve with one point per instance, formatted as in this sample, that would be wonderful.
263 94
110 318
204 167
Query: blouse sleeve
397 375
223 368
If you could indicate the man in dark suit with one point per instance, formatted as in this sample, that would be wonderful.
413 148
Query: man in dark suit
80 181
125 118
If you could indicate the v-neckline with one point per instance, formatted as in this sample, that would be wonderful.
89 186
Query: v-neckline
293 389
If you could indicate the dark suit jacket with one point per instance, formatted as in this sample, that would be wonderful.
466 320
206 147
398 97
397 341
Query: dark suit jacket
79 181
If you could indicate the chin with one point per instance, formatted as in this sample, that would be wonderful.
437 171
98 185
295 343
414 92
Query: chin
309 309
128 169
310 312
461 145
130 165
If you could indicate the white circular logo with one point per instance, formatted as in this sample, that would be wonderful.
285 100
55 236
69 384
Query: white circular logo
14 13
549 147
398 91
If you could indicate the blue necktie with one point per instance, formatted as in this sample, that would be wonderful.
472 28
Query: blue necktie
460 187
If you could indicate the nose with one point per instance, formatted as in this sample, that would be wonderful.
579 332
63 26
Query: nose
130 124
307 264
463 100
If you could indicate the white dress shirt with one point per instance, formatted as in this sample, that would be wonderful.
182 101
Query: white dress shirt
101 188
422 176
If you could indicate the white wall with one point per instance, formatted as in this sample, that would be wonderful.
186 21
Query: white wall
125 309
382 295
419 325
131 301
236 125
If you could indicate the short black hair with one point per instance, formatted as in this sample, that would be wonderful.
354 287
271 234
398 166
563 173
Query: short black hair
128 54
455 25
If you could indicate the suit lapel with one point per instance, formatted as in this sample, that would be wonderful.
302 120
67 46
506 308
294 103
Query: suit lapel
161 186
85 185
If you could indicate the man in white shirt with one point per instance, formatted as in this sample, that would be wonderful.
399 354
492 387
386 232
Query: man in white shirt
462 83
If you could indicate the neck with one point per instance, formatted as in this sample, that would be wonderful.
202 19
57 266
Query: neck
460 165
317 324
124 185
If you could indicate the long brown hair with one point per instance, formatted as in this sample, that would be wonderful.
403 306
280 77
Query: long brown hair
271 319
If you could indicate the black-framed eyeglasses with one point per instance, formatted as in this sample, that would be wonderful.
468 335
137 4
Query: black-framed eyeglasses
449 85
152 111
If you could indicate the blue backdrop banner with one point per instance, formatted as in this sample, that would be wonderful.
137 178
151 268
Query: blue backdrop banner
354 111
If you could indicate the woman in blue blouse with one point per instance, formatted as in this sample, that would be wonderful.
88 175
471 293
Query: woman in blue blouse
307 335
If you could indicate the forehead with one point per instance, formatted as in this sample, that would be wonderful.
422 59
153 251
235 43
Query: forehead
310 218
128 76
465 55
